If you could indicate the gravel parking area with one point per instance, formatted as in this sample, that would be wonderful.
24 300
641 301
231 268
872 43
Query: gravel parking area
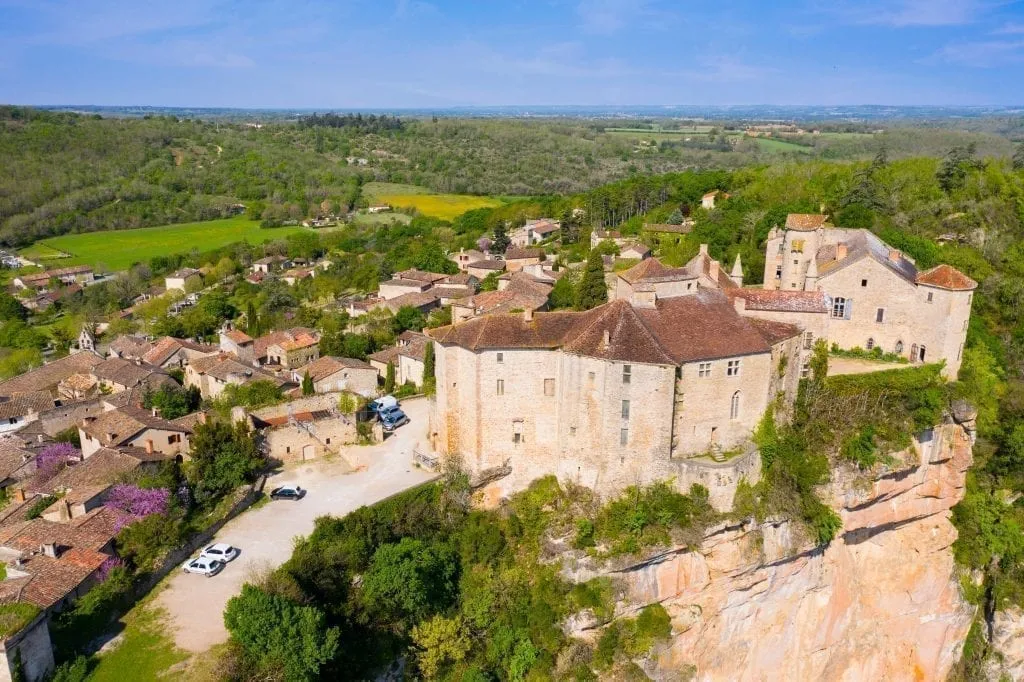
195 604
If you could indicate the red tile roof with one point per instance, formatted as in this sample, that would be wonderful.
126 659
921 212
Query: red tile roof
781 300
805 222
946 277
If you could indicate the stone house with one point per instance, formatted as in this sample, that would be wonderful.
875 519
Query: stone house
213 374
261 346
117 374
466 256
77 274
169 352
519 292
518 258
534 232
622 394
333 374
269 264
635 251
708 200
393 288
406 355
295 352
304 429
28 652
22 408
878 298
135 427
49 376
238 343
183 279
481 268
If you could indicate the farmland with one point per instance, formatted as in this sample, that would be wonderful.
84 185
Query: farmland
444 206
117 250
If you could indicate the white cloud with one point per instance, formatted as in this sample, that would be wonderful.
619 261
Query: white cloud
981 54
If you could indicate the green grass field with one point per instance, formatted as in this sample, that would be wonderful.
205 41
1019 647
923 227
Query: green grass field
376 189
779 146
118 249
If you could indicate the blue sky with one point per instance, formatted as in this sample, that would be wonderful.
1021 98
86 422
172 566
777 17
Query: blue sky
439 53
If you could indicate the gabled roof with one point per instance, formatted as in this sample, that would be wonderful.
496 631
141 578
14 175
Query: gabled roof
327 365
166 347
805 222
129 373
780 300
420 275
487 264
946 277
118 427
47 377
21 404
106 466
653 269
860 244
238 336
184 273
131 347
520 254
264 342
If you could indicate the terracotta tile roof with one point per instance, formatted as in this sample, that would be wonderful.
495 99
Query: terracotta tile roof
712 193
60 272
408 283
411 344
14 457
860 244
102 521
119 426
238 336
420 276
226 367
128 373
487 264
183 273
192 420
50 580
131 347
47 377
522 254
701 326
522 293
27 536
413 299
104 467
327 365
782 300
805 222
773 332
301 417
544 227
946 277
653 270
264 342
300 341
166 347
21 404
461 279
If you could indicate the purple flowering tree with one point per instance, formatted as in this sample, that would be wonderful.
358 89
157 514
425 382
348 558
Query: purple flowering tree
53 458
107 566
136 503
484 244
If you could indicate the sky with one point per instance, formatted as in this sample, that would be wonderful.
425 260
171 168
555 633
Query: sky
441 53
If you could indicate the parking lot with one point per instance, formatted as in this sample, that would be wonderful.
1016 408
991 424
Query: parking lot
195 604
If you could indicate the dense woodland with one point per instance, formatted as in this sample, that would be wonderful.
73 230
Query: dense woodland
464 595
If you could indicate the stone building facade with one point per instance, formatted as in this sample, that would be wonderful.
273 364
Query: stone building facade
877 297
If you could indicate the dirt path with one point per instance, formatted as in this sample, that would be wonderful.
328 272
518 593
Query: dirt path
194 605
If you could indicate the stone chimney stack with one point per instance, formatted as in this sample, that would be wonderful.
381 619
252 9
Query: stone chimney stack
149 446
841 251
740 304
19 494
606 339
895 255
703 249
713 270
528 315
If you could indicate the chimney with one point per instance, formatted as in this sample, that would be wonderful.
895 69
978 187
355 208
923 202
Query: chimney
713 270
19 494
606 340
149 446
202 417
65 510
841 251
740 304
528 315
895 255
703 249
111 437
48 549
39 438
156 411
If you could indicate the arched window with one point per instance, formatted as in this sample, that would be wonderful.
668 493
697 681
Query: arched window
734 406
870 344
899 347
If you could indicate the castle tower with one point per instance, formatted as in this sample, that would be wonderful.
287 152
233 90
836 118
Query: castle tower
811 278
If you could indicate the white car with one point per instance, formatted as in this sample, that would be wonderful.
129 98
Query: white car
221 551
204 566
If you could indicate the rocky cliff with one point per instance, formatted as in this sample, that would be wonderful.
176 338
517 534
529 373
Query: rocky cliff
881 602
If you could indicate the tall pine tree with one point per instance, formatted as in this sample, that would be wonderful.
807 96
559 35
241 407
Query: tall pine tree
592 291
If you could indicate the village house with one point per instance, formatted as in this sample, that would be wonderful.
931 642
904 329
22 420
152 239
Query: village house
464 257
49 376
297 351
238 343
634 251
333 374
133 426
302 335
516 259
183 279
407 357
518 293
304 429
172 353
22 408
878 298
77 274
117 374
708 200
481 268
534 232
290 277
213 374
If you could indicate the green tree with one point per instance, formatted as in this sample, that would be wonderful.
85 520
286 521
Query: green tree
172 401
11 308
675 218
440 642
592 290
1018 156
956 166
501 240
429 369
409 318
307 385
490 282
408 579
223 458
389 378
279 636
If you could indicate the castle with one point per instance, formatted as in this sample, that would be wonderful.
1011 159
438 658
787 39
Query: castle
678 369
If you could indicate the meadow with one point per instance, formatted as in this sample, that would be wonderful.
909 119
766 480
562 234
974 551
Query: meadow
118 249
444 206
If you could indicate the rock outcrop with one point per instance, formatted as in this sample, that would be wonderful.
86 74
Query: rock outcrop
881 602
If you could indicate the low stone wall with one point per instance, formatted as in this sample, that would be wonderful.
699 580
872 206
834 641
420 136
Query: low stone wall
720 478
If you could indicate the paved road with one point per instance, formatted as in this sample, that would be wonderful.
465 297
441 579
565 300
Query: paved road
195 604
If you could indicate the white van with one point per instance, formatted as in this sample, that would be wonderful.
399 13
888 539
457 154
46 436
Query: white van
384 403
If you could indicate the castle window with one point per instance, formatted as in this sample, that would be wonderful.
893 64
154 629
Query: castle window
778 272
623 436
920 353
798 246
625 409
517 431
839 308
808 340
174 438
501 387
732 369
796 262
734 406
863 282
880 315
782 247
704 369
930 296
870 344
627 373
501 358
899 347
549 387
805 370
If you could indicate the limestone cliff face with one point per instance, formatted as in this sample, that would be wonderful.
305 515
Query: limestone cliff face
881 602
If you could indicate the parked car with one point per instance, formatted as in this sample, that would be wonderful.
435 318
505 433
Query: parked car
393 418
380 404
204 566
220 551
288 491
